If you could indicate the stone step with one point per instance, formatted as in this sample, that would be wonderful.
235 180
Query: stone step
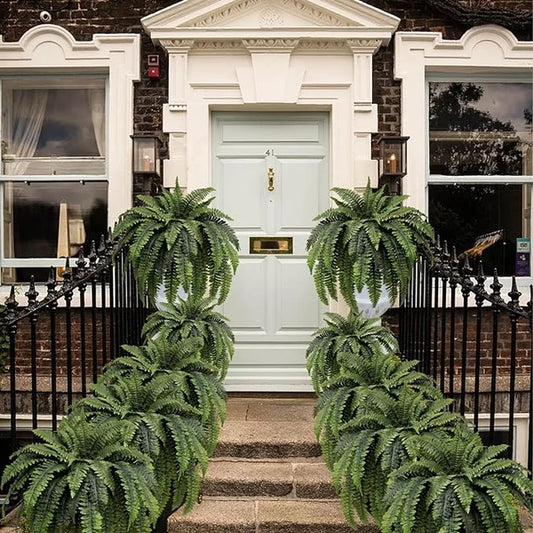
297 478
216 515
267 439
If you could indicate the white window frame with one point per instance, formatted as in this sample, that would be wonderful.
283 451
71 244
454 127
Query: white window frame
48 49
482 53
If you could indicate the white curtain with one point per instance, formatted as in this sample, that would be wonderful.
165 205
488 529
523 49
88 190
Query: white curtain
29 108
97 106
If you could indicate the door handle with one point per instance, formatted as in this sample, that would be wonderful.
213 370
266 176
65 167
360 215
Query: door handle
270 175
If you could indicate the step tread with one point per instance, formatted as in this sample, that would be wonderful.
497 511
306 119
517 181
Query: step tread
264 516
300 478
267 439
248 478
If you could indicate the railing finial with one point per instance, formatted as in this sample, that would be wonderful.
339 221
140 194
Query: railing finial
514 294
31 294
92 255
51 284
11 304
496 287
101 246
67 272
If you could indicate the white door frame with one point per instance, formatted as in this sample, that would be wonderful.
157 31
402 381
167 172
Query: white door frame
273 306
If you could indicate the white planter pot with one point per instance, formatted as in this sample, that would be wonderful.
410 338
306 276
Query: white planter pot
161 301
365 305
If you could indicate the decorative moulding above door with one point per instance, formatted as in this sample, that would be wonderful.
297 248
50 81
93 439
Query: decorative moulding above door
271 20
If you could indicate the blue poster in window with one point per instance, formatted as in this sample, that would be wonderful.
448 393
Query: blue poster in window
523 254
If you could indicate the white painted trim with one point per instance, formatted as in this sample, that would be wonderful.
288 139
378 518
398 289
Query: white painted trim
47 48
521 431
481 51
202 17
268 379
270 66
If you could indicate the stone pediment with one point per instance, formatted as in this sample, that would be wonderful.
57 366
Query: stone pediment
226 19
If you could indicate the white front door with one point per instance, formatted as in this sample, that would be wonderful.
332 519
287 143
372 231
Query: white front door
270 171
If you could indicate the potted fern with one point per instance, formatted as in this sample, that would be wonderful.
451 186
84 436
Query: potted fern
338 345
194 318
84 479
368 240
178 242
455 483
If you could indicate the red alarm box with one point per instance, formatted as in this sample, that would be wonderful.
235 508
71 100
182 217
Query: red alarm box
153 66
153 72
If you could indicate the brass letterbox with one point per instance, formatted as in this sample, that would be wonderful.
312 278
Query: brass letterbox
271 245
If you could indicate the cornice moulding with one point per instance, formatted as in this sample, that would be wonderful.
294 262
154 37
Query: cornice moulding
203 20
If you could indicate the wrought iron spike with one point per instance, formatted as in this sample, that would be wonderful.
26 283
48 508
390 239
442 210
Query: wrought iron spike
465 278
480 285
445 267
496 287
32 294
81 265
67 272
11 312
51 284
101 246
11 302
92 255
480 272
467 269
455 276
514 294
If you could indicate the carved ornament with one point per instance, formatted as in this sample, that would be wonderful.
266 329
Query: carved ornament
230 12
315 13
263 45
226 45
270 18
177 45
364 45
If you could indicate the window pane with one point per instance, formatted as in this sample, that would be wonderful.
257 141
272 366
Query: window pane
480 128
52 219
54 130
464 215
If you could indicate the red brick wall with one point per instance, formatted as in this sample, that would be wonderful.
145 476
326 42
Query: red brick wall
503 351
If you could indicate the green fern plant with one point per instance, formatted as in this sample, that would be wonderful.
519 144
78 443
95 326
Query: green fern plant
195 318
162 425
342 342
366 381
178 240
456 484
370 240
379 439
195 380
84 479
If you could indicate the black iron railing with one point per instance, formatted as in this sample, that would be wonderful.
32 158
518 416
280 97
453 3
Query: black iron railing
59 344
476 342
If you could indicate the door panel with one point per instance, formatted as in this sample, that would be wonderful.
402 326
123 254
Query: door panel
272 307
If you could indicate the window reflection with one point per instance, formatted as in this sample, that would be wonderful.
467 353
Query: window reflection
480 128
461 214
52 219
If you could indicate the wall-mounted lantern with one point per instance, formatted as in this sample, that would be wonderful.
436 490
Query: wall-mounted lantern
146 158
392 164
